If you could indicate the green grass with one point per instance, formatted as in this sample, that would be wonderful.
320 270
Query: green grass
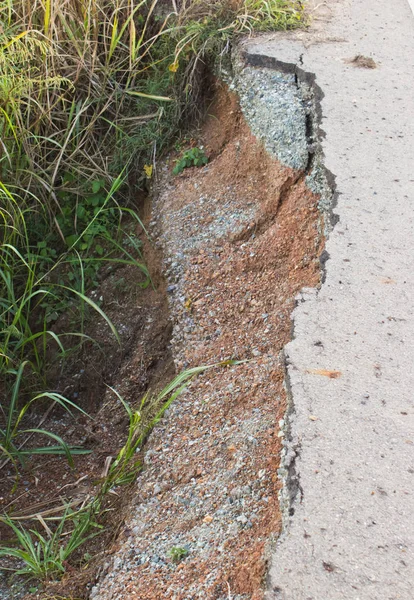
44 556
142 420
13 432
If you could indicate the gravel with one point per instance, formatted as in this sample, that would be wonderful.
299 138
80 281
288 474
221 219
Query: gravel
282 111
274 108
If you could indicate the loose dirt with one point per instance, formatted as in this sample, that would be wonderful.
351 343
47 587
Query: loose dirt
240 238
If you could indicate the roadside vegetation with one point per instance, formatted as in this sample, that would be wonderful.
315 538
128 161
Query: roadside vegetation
92 92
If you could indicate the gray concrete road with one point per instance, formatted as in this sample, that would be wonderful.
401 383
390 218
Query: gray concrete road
351 534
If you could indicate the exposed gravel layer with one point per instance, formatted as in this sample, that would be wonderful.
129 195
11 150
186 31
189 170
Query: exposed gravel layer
276 112
282 109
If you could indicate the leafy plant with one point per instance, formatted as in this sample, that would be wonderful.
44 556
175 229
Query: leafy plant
194 157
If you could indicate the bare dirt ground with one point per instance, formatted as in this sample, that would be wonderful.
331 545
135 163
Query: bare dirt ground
240 238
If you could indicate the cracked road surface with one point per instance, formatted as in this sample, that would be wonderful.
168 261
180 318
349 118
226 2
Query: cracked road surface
351 534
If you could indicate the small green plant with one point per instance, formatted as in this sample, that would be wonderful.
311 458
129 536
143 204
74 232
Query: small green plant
13 432
12 447
142 421
195 157
177 554
44 556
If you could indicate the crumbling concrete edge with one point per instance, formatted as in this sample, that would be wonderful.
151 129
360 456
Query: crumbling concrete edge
322 182
319 179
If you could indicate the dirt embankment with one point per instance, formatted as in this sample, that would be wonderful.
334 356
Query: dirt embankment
240 238
47 484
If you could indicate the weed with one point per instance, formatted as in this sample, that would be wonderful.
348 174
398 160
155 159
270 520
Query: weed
13 431
194 157
142 420
91 88
177 554
45 556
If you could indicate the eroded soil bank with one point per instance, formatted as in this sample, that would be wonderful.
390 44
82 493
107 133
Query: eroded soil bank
240 238
231 245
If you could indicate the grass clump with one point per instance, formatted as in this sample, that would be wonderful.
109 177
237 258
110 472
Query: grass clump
91 87
44 556
11 435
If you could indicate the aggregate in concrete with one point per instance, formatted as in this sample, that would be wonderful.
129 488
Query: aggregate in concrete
272 105
350 534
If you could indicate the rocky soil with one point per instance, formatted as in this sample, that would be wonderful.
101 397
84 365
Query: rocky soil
240 238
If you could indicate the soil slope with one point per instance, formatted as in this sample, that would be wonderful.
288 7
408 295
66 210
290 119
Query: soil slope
240 238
